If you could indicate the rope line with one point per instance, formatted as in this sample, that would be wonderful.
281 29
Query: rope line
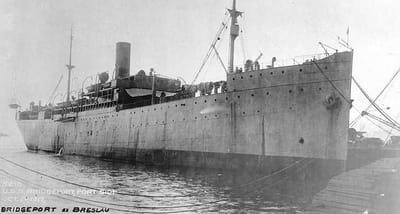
376 98
148 196
92 188
270 175
210 50
91 201
281 179
390 119
333 85
171 207
115 204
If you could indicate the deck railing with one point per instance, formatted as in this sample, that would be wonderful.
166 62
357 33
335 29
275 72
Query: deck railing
296 60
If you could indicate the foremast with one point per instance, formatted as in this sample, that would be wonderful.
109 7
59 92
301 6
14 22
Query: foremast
69 67
234 32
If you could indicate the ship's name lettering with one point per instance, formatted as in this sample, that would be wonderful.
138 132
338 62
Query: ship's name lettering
27 209
90 210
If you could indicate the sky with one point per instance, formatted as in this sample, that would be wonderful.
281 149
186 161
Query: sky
173 36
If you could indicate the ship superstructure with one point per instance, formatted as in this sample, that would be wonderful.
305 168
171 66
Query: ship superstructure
265 118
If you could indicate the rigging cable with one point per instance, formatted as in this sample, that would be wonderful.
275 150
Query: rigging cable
242 41
384 114
376 98
333 85
55 89
220 59
390 132
210 50
216 53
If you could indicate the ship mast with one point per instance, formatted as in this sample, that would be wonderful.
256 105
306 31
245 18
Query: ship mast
234 32
69 67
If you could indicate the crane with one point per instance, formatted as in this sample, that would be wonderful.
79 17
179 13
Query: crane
385 122
258 58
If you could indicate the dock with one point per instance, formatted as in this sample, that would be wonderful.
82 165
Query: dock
374 188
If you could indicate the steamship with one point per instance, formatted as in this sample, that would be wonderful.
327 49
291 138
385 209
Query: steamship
264 118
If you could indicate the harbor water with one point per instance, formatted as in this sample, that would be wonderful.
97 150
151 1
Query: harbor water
69 183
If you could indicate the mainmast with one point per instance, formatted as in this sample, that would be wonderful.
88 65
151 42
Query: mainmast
234 32
69 67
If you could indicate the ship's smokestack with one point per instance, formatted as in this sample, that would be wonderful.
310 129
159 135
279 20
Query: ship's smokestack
122 60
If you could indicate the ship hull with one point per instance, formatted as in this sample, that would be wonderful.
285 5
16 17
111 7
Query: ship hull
268 120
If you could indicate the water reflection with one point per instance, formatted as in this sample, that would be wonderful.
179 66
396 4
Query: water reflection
127 188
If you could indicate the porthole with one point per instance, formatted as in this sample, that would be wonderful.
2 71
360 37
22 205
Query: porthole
252 95
233 78
326 67
241 77
215 100
238 96
290 91
195 102
267 93
244 112
260 74
251 76
205 101
301 89
283 72
320 89
226 98
301 70
271 73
